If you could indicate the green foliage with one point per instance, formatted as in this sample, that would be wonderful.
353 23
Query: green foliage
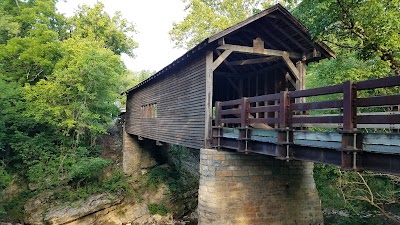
174 175
360 196
5 178
117 183
207 17
369 28
14 207
95 24
159 209
59 79
87 169
164 175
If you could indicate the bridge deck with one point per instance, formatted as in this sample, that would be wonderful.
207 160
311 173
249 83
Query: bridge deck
366 137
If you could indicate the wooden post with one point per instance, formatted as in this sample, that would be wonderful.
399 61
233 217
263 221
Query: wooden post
349 106
284 110
257 103
218 115
350 138
285 134
209 96
301 83
245 113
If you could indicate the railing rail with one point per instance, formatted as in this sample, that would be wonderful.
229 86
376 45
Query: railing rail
297 114
287 110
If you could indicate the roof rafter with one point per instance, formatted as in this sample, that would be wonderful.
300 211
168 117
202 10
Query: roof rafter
221 59
267 52
290 37
254 61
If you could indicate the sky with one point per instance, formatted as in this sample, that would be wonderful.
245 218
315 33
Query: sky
152 18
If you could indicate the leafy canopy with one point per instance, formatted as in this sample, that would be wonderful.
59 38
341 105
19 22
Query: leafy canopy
370 28
207 17
59 79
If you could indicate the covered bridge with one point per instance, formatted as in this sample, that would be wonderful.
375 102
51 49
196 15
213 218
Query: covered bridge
223 94
265 54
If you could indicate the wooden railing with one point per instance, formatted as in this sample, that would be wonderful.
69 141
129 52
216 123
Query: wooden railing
287 109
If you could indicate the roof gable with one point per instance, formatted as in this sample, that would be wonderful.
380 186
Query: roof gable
276 26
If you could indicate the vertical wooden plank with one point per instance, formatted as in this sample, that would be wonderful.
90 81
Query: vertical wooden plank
257 86
284 110
349 125
218 109
301 67
349 106
245 112
209 95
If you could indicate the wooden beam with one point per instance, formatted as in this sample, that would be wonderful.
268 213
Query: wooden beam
258 45
220 59
208 99
271 35
229 67
268 52
290 37
292 67
289 78
254 61
301 67
314 54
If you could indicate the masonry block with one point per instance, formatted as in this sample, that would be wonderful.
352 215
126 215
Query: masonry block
141 155
256 190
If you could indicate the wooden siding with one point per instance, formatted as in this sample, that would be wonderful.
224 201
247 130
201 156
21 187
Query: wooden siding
180 98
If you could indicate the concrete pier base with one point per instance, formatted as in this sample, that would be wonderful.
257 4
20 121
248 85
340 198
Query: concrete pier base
236 188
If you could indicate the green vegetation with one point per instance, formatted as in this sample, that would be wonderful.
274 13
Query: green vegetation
159 209
59 79
174 175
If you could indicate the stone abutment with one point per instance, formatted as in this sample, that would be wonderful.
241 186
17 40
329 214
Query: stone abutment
238 188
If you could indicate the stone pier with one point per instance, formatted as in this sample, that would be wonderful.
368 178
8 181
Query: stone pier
140 155
236 188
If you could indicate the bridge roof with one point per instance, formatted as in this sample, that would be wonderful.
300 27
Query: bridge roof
276 26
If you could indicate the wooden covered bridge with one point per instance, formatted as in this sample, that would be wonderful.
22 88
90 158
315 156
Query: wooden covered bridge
244 89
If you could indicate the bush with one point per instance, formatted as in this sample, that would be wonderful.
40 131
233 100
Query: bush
88 169
159 209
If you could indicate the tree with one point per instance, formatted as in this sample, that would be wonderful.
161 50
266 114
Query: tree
370 28
78 98
207 17
95 24
29 40
58 87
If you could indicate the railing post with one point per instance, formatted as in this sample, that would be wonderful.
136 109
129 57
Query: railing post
284 105
285 133
217 130
351 139
245 113
244 131
349 106
218 115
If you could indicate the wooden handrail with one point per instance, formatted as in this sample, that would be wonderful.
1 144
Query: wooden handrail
228 111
